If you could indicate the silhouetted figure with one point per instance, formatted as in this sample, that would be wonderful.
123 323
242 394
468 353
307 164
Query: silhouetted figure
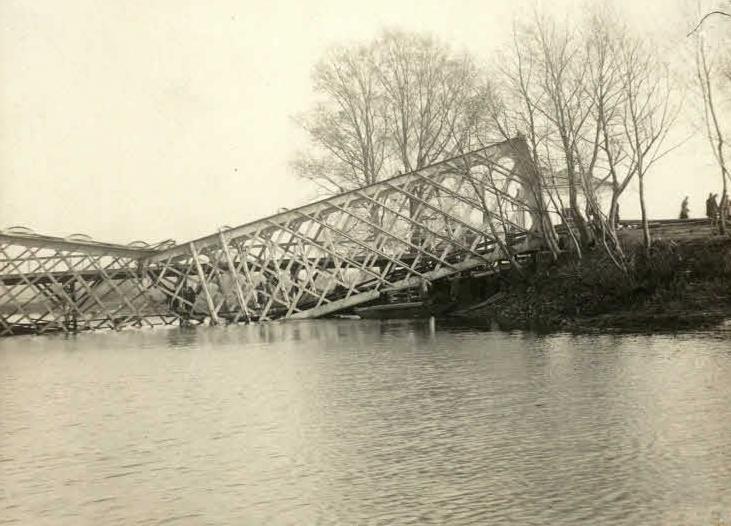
712 208
684 208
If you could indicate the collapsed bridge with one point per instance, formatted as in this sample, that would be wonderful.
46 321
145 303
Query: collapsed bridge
461 214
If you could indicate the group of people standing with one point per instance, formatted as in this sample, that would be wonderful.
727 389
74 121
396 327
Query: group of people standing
714 210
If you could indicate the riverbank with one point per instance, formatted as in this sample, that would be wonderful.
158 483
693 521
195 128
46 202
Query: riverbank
685 284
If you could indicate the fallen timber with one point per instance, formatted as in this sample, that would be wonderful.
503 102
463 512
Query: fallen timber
322 258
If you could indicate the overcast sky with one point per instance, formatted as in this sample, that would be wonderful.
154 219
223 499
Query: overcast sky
152 119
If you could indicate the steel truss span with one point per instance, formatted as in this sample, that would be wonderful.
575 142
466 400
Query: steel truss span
461 214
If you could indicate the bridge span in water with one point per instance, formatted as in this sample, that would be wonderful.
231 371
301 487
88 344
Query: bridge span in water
464 214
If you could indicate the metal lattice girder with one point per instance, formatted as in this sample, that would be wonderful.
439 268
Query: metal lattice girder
350 247
317 259
52 284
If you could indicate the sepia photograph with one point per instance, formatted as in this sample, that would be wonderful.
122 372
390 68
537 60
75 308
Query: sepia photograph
395 262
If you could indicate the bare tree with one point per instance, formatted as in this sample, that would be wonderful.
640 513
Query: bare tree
564 73
591 102
647 115
706 16
396 104
544 89
428 88
348 127
709 74
594 104
605 38
516 112
521 104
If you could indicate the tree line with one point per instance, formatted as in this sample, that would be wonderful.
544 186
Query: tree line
594 101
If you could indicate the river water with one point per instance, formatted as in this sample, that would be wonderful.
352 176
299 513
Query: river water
364 422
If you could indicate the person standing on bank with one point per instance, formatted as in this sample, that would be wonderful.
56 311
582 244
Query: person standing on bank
712 209
684 208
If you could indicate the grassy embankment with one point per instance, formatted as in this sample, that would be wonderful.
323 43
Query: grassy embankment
684 284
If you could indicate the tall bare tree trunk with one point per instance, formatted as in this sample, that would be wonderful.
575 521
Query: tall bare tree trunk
714 131
724 176
578 217
645 224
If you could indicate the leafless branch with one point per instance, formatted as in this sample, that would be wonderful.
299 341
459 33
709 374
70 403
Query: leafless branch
722 13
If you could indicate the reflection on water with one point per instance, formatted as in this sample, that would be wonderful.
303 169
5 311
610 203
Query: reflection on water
354 422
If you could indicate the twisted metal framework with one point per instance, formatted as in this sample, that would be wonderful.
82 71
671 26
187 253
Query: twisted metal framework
318 259
50 284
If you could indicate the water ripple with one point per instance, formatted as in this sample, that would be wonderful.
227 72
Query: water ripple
365 423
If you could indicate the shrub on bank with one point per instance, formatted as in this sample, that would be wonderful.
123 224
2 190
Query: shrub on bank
677 277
